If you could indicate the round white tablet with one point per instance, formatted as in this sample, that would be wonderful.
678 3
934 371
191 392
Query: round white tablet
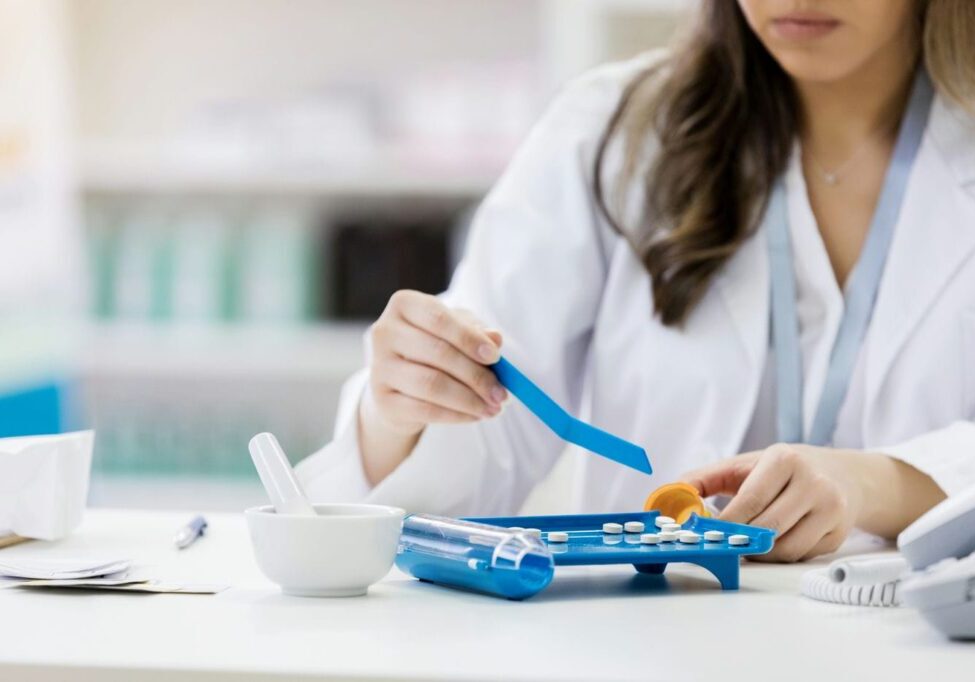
661 521
713 535
738 540
690 538
612 528
633 526
534 532
558 536
671 527
516 528
649 538
667 536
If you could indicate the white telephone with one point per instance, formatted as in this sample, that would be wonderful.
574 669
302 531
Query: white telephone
934 574
940 547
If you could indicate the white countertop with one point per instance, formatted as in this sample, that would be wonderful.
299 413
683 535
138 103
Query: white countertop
591 623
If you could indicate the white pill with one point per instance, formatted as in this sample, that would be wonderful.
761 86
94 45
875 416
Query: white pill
661 521
649 538
738 540
558 536
516 528
713 535
633 526
535 532
613 528
671 527
667 536
683 531
690 538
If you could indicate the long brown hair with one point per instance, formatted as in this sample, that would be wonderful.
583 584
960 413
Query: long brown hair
723 116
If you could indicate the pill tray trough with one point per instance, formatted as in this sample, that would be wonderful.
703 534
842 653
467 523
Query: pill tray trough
587 544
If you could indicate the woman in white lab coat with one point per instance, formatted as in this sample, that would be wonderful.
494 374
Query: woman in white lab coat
764 237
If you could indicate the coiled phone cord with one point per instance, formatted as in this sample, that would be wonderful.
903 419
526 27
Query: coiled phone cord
857 581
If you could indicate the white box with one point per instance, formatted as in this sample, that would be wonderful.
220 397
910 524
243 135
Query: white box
44 484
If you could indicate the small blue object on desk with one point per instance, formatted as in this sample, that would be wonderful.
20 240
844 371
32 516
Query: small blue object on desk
189 533
567 427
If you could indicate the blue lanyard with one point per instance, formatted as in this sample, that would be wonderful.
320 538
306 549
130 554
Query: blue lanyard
860 295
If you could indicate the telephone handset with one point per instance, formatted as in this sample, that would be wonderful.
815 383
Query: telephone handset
940 548
935 572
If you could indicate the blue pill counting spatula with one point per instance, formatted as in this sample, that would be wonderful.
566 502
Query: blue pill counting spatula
567 427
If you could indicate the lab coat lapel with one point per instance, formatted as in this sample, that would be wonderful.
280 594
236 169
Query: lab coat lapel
935 237
744 288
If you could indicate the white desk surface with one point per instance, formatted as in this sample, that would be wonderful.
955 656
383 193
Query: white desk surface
592 623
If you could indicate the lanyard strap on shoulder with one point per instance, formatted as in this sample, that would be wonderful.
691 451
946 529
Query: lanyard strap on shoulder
861 292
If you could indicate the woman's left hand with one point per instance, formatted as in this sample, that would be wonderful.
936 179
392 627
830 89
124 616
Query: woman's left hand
810 496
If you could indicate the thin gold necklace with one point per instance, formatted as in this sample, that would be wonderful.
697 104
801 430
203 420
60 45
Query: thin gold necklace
833 177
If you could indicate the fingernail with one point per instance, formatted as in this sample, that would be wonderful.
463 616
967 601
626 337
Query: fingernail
486 352
498 395
492 411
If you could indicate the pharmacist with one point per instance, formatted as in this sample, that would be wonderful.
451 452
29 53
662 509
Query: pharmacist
754 256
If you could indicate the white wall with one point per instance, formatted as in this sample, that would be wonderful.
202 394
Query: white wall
41 278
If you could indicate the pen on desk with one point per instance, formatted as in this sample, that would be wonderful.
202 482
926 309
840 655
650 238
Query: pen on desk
190 532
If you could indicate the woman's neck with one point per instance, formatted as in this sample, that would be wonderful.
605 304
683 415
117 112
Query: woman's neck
838 116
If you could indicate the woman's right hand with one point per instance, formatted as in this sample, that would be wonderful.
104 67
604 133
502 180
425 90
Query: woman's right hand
428 364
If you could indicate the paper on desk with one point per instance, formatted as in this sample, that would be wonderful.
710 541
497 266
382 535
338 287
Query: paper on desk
62 568
86 582
9 539
44 483
123 585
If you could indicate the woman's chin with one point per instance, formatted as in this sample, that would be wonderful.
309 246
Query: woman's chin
814 67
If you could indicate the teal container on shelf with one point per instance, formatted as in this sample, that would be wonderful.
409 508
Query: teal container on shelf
32 409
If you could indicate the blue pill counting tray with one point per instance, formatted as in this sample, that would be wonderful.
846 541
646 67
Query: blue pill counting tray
588 545
496 556
474 556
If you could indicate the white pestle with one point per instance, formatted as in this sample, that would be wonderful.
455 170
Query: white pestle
278 477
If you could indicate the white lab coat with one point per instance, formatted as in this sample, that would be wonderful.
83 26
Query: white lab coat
573 302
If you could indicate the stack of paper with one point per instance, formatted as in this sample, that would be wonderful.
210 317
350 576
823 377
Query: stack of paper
65 568
90 573
8 539
128 585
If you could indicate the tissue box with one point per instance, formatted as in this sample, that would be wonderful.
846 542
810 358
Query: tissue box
44 484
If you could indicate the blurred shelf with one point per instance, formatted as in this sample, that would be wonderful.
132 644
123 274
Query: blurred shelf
314 352
107 176
189 493
180 401
558 38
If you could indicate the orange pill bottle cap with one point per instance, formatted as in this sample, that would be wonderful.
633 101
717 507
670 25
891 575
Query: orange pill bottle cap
676 500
